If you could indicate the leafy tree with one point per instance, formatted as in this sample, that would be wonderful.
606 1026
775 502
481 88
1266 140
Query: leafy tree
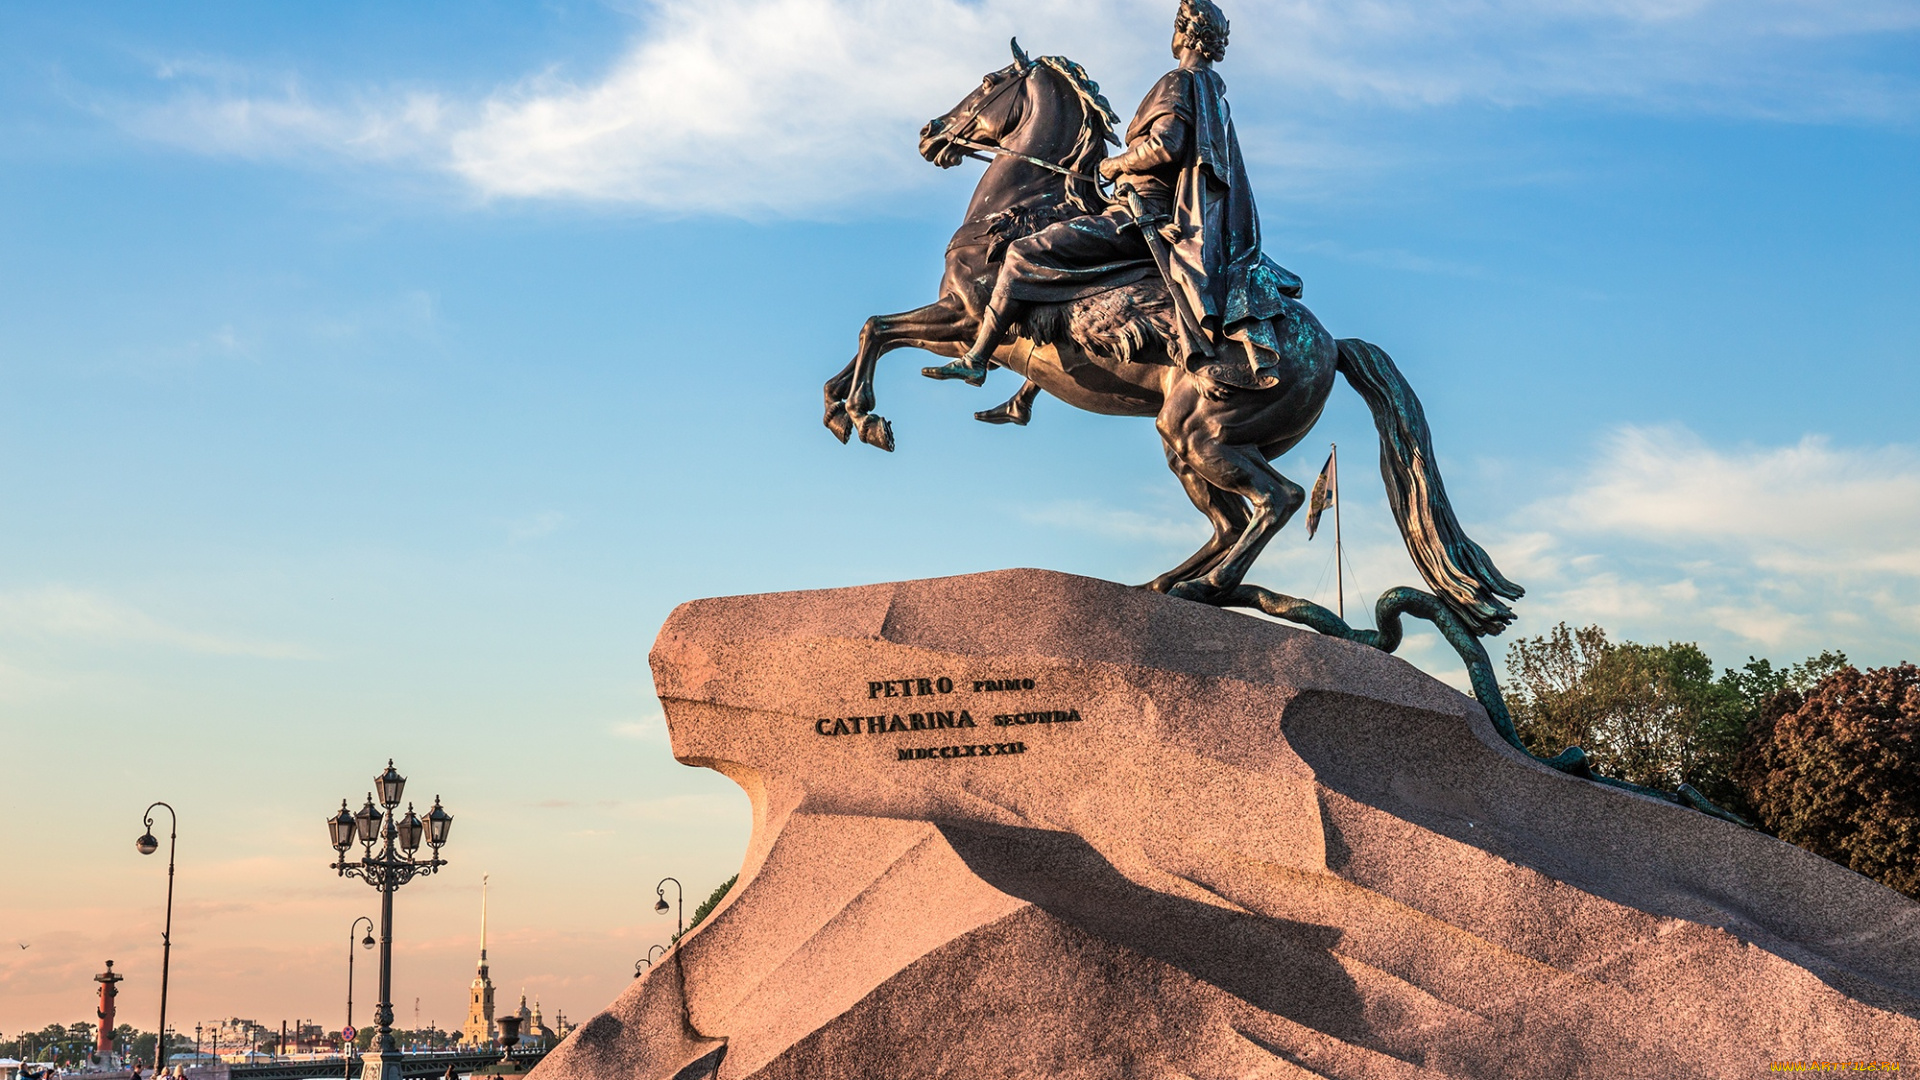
1836 770
1759 682
1648 714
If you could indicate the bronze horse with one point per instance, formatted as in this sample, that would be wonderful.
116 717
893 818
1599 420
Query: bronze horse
1219 440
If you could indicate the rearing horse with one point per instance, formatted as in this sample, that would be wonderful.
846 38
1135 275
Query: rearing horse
1219 439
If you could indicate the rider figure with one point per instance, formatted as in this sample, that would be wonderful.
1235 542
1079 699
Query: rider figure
1183 160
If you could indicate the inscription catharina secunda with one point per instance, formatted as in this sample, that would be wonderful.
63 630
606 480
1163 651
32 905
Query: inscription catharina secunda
943 719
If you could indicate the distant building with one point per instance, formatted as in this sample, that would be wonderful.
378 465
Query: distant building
479 1029
532 1028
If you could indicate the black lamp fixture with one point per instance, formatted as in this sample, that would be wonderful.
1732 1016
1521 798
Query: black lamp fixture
367 820
411 830
341 828
680 895
391 784
439 824
147 845
389 859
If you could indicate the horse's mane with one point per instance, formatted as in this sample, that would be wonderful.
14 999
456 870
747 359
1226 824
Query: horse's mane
1096 131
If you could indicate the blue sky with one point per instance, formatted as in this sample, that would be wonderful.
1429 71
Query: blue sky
373 382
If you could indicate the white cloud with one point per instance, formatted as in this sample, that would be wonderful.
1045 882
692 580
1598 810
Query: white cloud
1809 507
798 106
72 613
1793 548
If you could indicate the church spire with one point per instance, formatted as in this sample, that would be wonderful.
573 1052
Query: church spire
479 1029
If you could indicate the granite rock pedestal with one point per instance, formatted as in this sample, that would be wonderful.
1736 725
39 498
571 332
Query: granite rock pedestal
1024 824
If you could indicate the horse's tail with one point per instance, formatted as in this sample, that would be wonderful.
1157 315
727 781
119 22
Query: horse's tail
1457 569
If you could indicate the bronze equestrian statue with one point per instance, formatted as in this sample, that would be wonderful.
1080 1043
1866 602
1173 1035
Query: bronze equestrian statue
1157 302
1181 139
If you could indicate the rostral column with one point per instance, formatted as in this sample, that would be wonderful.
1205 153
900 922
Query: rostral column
107 991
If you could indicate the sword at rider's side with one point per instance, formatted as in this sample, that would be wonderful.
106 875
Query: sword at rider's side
1191 332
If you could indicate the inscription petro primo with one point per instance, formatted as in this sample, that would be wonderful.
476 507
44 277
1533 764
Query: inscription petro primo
918 687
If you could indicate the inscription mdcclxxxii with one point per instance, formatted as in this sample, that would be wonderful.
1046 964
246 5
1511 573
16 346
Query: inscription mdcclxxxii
927 753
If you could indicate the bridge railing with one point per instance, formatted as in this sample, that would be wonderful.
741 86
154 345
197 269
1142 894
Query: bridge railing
421 1065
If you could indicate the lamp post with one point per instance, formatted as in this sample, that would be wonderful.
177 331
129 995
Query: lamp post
680 894
346 1044
147 845
392 866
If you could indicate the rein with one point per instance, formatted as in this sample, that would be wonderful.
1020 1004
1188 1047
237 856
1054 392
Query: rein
1000 151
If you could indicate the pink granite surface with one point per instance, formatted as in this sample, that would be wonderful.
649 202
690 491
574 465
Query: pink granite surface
1239 850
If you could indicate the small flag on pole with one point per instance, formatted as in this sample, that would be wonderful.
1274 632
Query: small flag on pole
1324 494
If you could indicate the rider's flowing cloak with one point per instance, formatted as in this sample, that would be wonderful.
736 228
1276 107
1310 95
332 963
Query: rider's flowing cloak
1214 239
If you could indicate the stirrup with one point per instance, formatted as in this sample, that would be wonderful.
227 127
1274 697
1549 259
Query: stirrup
974 372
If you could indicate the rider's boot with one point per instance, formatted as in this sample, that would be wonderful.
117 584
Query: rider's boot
975 362
1017 409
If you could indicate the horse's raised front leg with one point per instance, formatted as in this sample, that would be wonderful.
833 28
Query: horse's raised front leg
942 327
1191 425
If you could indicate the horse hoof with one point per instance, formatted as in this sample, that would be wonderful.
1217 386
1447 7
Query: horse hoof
876 431
838 421
1197 590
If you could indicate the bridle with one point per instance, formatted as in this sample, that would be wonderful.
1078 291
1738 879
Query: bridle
977 150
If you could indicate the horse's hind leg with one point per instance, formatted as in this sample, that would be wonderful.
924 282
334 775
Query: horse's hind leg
1190 424
1227 512
1273 499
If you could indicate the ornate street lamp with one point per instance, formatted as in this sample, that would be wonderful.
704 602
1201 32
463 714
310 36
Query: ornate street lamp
346 1048
395 864
147 845
680 894
651 958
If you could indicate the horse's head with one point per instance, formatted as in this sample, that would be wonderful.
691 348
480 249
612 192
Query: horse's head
985 116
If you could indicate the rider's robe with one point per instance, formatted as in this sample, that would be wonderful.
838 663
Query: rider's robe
1184 160
1215 254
